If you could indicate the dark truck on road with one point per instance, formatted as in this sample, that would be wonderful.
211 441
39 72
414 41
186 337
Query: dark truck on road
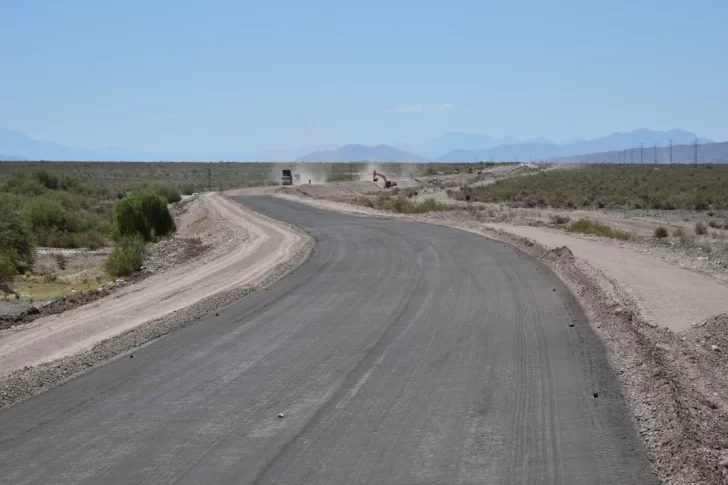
287 178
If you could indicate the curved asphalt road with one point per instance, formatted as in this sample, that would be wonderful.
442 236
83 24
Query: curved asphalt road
400 353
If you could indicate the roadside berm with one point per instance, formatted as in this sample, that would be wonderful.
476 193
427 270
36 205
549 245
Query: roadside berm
245 250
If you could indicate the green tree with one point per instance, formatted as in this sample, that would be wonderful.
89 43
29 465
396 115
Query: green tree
8 269
143 213
15 235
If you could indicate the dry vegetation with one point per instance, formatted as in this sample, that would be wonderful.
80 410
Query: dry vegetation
666 187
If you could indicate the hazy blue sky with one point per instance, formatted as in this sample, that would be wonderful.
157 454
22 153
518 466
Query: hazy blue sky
249 75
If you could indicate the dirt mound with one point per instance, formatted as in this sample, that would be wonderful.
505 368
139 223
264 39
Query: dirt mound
562 252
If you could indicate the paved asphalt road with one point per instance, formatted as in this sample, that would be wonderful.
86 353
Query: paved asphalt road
400 353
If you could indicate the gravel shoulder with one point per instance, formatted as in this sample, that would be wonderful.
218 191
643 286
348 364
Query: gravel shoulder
246 249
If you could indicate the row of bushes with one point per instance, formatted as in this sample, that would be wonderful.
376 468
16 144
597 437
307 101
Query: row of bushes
403 206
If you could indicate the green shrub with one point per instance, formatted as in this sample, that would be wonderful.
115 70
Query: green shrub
15 235
169 192
660 232
585 226
700 229
8 268
143 213
127 257
61 261
714 224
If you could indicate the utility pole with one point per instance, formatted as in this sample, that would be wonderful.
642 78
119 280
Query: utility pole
670 152
209 180
655 152
631 156
642 160
696 151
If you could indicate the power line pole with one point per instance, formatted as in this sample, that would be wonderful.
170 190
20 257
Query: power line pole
209 180
642 160
655 152
631 156
670 152
696 151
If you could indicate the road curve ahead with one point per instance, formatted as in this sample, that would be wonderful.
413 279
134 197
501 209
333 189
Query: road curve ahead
400 353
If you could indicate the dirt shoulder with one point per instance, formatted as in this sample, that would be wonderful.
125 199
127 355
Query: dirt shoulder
245 249
673 374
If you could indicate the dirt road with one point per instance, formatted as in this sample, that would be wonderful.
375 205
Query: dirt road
399 353
258 246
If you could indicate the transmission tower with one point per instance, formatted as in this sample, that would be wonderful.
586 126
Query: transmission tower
670 152
631 156
655 152
642 160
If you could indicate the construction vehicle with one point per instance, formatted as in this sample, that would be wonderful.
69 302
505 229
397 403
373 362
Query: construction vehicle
287 178
470 169
457 171
387 183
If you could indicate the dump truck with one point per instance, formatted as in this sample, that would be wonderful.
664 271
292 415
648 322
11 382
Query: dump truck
287 178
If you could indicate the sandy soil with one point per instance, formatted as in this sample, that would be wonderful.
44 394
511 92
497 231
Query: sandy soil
245 247
668 295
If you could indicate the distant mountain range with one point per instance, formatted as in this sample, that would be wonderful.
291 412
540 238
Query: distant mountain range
548 150
361 153
452 147
17 146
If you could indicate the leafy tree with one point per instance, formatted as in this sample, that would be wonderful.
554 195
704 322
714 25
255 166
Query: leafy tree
16 236
143 213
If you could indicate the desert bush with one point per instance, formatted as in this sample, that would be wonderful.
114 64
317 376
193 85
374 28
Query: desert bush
559 219
685 238
364 201
127 257
143 213
660 232
49 277
586 226
187 189
714 224
700 229
61 261
169 192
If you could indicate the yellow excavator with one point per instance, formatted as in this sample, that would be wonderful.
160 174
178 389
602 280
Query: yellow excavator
388 184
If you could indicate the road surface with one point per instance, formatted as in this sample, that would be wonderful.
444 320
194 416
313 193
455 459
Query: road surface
400 353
